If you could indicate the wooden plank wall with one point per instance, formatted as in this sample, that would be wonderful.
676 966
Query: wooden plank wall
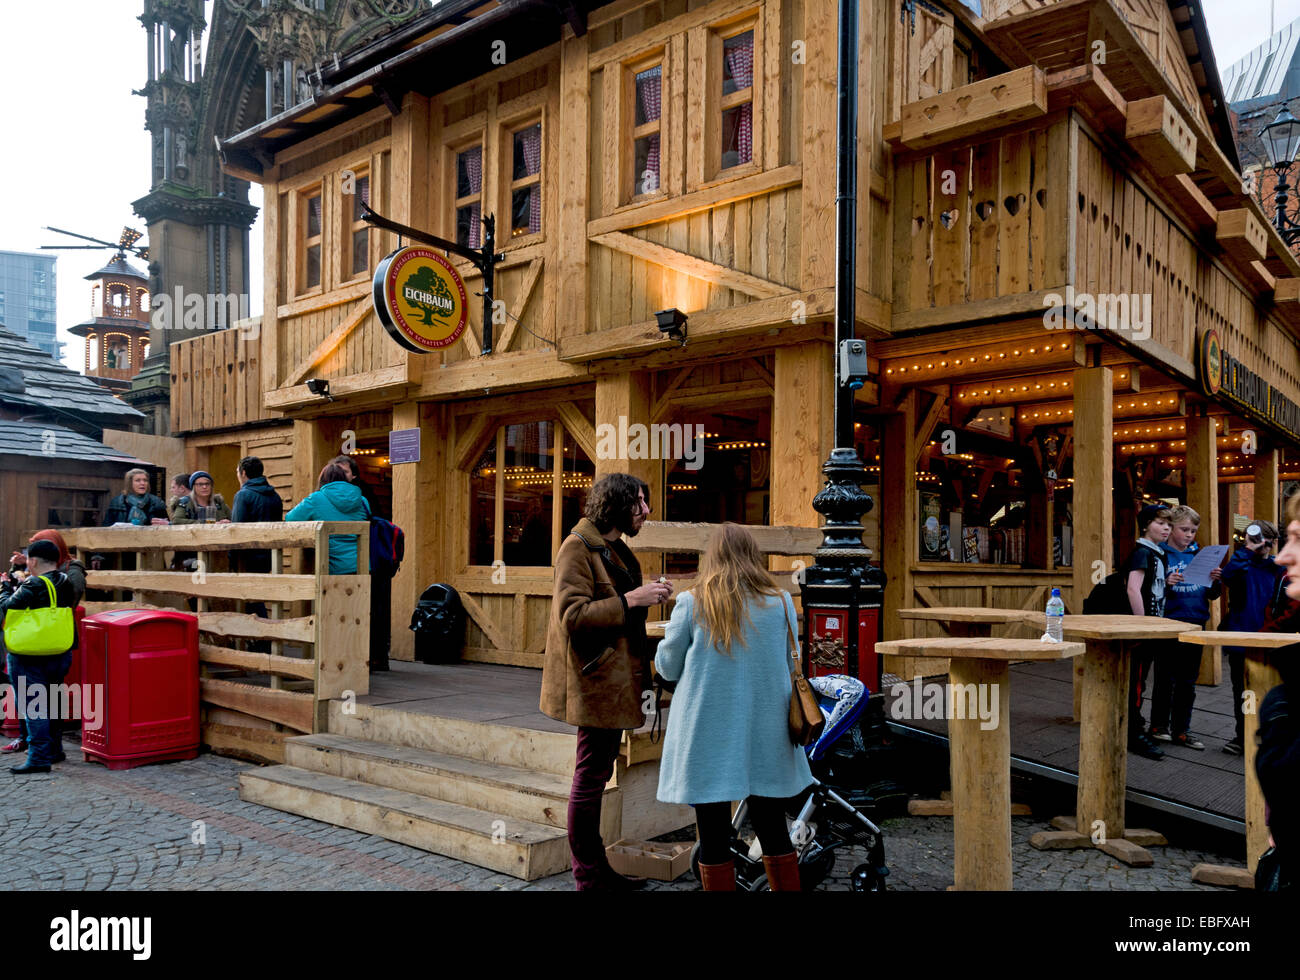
981 221
216 380
1127 244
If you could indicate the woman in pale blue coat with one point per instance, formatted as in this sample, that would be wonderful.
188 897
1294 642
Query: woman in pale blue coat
728 737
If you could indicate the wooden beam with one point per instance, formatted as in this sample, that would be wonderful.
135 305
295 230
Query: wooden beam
705 199
1093 501
669 536
206 537
577 428
1157 130
925 425
329 345
1087 87
1004 100
214 585
470 442
299 630
262 663
661 404
1242 235
758 317
1202 213
484 622
381 384
291 708
690 265
521 304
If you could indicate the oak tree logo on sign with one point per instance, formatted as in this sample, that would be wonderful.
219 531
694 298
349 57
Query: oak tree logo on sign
428 291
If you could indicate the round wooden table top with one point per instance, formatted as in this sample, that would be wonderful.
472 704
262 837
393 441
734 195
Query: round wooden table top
1113 627
964 614
981 648
1225 638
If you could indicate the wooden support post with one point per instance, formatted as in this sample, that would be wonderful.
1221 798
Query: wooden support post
801 434
624 397
416 512
1202 481
1103 740
981 784
1093 505
575 81
1267 496
898 520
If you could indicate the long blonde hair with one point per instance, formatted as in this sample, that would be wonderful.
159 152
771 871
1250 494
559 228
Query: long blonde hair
732 570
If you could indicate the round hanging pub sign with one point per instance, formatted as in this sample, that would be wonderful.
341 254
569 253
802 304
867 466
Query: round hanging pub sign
420 299
1211 363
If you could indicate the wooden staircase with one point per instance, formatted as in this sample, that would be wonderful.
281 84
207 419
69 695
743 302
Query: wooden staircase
490 794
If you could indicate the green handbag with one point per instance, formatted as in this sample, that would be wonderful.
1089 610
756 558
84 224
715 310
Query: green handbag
39 632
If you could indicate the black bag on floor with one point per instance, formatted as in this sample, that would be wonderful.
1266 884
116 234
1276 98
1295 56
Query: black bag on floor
439 625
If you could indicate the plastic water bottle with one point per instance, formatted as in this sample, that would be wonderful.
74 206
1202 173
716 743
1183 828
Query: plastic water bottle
1055 616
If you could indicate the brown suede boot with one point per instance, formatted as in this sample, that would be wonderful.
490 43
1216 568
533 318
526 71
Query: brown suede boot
783 872
718 877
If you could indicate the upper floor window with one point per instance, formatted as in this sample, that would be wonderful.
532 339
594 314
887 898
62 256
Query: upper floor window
526 181
469 197
737 100
646 126
356 244
311 239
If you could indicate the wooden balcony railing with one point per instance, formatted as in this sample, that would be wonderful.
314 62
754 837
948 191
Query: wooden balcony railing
315 645
216 379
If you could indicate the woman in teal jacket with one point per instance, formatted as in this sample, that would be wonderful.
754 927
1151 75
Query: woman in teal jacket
336 500
728 736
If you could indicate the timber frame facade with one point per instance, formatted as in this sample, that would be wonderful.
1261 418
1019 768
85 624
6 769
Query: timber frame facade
1001 165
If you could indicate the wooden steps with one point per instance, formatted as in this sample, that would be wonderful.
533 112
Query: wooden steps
490 794
509 845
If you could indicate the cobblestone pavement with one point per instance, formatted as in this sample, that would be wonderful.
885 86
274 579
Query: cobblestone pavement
82 827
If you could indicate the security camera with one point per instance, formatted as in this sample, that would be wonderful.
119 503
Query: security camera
853 363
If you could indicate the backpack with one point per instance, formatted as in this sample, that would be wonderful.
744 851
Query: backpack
387 547
1109 597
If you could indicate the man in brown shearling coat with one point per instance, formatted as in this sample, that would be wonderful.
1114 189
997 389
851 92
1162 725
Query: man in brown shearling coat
596 668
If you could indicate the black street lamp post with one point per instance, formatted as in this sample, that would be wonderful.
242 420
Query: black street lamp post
1281 139
841 591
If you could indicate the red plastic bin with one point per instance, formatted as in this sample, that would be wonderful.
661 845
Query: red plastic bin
8 709
148 663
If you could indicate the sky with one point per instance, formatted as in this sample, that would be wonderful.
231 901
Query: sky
77 153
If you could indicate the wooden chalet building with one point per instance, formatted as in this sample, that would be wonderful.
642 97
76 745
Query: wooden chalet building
1042 164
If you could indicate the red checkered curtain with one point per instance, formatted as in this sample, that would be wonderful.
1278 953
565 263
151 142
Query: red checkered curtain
472 161
738 73
649 96
530 141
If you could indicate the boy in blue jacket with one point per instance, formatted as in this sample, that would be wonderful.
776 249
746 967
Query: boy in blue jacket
1177 664
1251 580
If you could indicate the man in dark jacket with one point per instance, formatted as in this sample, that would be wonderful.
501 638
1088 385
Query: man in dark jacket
596 672
36 674
256 501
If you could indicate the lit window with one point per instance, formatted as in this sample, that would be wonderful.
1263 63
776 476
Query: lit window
469 197
737 100
526 181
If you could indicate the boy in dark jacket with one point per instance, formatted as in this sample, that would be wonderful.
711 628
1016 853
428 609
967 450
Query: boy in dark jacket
256 501
1177 664
1145 581
1250 578
38 673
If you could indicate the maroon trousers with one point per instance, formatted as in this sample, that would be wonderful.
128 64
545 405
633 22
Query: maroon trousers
597 753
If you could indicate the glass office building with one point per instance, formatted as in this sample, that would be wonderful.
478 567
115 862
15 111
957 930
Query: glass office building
27 298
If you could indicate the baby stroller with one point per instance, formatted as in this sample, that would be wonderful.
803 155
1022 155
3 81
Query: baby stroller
822 819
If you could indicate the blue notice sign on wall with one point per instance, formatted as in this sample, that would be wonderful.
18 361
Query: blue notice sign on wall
404 446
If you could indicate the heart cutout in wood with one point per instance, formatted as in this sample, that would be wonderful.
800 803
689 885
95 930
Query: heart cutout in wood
1013 204
930 111
1094 212
1081 203
962 102
1041 195
984 209
998 91
949 218
917 225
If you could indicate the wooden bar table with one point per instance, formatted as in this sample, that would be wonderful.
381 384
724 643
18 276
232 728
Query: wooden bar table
1260 677
963 620
980 757
1103 735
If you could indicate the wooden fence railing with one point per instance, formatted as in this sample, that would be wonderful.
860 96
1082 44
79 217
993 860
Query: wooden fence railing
315 645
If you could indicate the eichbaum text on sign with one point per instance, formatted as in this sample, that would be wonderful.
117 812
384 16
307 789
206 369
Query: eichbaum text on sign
420 299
